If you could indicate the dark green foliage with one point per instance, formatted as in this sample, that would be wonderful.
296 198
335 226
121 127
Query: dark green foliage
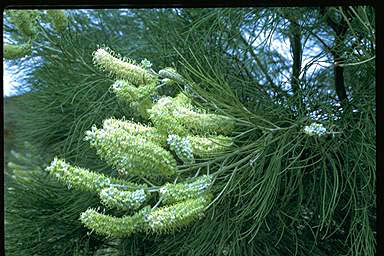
278 191
41 216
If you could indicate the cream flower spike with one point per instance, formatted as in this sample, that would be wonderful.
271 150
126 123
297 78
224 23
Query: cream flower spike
122 68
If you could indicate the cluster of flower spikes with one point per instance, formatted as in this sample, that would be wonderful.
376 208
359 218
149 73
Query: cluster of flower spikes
136 83
137 150
25 23
192 127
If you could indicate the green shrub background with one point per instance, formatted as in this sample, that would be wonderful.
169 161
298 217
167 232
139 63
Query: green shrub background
275 177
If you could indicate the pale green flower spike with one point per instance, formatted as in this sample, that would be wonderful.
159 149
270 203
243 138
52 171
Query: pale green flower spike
171 218
171 193
24 20
182 148
58 19
142 107
182 100
123 200
163 120
175 116
84 180
210 146
132 154
122 68
128 92
112 226
12 52
204 123
139 97
128 128
159 220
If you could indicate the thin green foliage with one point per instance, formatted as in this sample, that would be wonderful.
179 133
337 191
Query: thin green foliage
278 191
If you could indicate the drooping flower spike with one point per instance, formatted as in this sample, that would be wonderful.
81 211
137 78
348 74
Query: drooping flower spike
172 193
128 128
208 146
120 68
83 179
168 219
110 226
132 155
176 116
159 220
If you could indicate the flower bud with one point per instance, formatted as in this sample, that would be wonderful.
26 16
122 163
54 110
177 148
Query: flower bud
171 73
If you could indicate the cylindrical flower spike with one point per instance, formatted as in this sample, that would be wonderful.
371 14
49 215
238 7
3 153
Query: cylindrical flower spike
83 179
139 97
171 193
164 121
175 116
171 218
128 92
112 226
182 100
132 155
204 123
210 146
12 52
59 19
24 21
128 128
122 68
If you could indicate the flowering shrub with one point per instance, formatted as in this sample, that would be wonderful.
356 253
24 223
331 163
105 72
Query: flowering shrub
181 132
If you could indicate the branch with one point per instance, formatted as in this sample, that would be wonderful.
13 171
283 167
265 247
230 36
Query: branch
262 67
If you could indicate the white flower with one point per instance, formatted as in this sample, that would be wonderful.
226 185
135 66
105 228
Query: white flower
146 64
315 129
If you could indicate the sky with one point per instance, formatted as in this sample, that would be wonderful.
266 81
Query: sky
9 86
283 47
